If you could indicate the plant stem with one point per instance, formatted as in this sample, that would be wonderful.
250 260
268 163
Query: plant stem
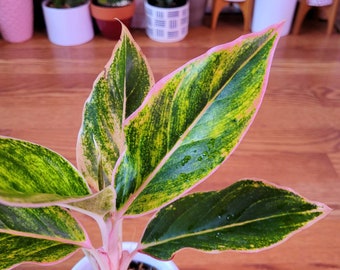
114 248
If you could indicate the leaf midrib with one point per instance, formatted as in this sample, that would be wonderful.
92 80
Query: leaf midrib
239 224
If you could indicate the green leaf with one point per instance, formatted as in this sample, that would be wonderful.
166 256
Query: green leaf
16 249
48 222
118 91
57 234
191 122
248 215
30 173
101 203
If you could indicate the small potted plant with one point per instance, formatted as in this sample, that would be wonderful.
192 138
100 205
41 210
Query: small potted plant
167 20
141 148
68 22
106 11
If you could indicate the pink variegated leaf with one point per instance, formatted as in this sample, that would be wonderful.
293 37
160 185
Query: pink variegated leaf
192 120
117 92
247 216
31 174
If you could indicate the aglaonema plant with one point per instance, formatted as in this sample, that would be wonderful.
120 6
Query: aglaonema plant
141 148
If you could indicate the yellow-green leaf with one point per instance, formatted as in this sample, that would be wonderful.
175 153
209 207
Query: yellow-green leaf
118 91
248 215
17 249
32 174
192 120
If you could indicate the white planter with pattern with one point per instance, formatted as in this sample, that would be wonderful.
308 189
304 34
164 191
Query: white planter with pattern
167 24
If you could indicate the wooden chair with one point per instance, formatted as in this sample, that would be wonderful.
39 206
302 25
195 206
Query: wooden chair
246 7
303 10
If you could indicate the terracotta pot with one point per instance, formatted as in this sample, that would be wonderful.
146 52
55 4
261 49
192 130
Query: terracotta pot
84 263
16 20
105 18
68 26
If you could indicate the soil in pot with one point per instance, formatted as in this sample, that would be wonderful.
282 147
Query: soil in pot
174 3
134 265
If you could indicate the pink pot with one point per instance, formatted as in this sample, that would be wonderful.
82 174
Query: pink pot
16 20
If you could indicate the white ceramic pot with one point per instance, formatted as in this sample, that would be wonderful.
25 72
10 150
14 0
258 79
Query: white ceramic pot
268 12
167 24
84 263
68 26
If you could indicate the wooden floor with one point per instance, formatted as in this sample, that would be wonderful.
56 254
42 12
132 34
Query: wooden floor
295 140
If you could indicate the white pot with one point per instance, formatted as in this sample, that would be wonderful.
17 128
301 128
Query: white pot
84 263
68 26
268 12
167 24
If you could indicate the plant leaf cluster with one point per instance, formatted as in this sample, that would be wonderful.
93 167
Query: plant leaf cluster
141 148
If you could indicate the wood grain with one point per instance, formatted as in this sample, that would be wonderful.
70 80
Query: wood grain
295 140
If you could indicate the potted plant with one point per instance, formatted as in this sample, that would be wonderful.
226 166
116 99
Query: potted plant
16 20
68 22
167 20
106 11
142 147
196 12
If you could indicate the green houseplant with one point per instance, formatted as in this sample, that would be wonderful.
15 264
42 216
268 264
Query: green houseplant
141 148
66 3
68 22
114 3
167 3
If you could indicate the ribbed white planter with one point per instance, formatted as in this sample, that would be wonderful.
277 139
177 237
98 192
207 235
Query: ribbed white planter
84 263
268 12
68 26
167 24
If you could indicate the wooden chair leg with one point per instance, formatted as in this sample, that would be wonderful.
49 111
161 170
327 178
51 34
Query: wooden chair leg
247 11
245 6
217 7
301 14
332 16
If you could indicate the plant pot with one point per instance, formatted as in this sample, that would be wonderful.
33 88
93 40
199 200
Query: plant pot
84 263
196 12
16 20
68 26
268 12
167 24
139 20
105 18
